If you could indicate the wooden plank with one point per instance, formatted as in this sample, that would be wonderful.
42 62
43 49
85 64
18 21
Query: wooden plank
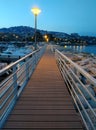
46 103
43 118
43 129
38 107
44 99
27 125
43 112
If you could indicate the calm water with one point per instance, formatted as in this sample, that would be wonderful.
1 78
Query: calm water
86 49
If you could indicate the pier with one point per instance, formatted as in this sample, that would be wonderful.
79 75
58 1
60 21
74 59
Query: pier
45 102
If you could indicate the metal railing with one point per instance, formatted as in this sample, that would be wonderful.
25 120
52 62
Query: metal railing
12 86
82 87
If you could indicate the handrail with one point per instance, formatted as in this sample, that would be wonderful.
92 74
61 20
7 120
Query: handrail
79 69
12 86
15 63
83 93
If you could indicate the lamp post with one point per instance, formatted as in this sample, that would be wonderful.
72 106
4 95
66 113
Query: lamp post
36 11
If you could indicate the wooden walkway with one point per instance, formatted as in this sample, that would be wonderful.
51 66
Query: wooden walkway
45 103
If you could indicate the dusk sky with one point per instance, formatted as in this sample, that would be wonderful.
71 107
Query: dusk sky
69 16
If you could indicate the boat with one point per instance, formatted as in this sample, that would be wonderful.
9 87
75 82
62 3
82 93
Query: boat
2 65
13 52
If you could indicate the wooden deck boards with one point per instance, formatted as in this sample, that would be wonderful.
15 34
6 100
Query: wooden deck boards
45 103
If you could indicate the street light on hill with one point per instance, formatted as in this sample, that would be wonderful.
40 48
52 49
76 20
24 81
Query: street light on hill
36 11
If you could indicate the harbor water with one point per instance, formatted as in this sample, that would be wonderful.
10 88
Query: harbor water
85 49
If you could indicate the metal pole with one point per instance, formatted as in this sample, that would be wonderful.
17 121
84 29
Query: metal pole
35 32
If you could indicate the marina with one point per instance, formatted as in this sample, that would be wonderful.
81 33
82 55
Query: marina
13 53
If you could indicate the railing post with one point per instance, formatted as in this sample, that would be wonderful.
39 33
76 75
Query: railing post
60 63
15 81
39 54
27 69
36 58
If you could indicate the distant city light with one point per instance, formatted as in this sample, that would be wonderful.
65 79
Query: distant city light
65 46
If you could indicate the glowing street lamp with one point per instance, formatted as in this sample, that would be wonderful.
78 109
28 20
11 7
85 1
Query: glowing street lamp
46 38
36 11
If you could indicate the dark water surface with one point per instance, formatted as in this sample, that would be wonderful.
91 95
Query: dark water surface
85 49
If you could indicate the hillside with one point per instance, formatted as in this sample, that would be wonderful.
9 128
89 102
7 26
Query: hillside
23 30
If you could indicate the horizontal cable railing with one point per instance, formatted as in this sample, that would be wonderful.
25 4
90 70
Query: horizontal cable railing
12 86
82 87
